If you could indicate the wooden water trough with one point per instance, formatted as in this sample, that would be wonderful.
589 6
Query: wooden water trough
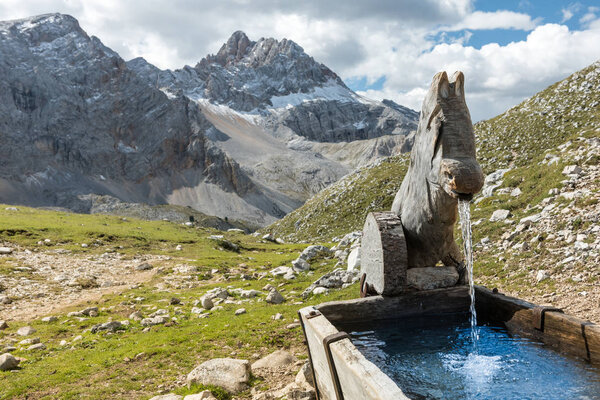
342 372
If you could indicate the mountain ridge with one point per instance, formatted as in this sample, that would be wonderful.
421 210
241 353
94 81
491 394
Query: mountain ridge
77 119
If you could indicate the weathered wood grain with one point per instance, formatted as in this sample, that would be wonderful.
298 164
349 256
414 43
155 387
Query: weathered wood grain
359 378
383 253
568 334
450 300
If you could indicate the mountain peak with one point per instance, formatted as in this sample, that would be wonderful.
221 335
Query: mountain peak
234 49
44 27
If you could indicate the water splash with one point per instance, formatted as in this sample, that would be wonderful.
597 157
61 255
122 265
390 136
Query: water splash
464 211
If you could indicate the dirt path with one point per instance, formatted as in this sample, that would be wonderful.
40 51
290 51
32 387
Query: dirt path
45 283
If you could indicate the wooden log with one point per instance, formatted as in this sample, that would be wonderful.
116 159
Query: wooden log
414 303
383 253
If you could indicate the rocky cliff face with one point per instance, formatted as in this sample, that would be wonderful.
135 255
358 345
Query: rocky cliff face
76 119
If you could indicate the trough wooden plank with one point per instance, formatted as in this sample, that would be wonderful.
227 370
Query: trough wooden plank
567 333
436 301
359 378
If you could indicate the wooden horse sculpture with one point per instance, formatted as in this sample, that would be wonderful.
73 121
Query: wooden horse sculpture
419 231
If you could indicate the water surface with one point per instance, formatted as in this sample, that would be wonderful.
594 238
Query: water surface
435 358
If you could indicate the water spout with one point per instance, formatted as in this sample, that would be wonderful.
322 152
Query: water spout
464 212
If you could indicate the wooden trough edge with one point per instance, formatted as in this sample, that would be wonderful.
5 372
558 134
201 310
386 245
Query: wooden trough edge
568 334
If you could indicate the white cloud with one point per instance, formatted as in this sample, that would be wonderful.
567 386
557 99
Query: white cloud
570 11
391 38
501 19
497 77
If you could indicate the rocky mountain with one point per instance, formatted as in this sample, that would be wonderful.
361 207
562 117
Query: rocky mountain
249 133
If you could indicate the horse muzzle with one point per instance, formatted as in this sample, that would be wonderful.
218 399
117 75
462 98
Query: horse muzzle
462 178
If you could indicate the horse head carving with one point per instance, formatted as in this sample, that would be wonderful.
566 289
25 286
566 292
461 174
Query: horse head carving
442 170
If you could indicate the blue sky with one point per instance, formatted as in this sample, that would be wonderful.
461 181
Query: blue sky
508 50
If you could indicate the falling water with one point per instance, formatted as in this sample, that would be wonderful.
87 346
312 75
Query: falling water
464 212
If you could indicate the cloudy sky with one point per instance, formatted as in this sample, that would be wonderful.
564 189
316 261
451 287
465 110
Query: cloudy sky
507 49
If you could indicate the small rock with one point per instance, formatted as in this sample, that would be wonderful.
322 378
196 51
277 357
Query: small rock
51 318
268 237
516 192
320 290
170 396
274 297
37 346
25 331
136 316
572 170
204 395
279 358
174 301
542 275
582 246
281 271
178 247
3 325
293 325
111 326
277 317
300 265
230 374
240 311
143 267
5 300
8 362
90 311
5 250
499 215
157 320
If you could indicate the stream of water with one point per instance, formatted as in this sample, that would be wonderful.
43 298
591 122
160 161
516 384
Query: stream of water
464 212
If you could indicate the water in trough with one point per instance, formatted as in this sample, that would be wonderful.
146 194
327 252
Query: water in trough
452 357
434 358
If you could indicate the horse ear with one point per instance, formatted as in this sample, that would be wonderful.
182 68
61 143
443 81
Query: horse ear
459 83
440 82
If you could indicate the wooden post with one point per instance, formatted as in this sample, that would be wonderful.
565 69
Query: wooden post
383 253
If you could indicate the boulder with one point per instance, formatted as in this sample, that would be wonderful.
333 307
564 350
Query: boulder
312 251
143 267
8 362
230 374
300 265
428 278
274 297
26 331
499 215
206 302
277 359
354 259
305 376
